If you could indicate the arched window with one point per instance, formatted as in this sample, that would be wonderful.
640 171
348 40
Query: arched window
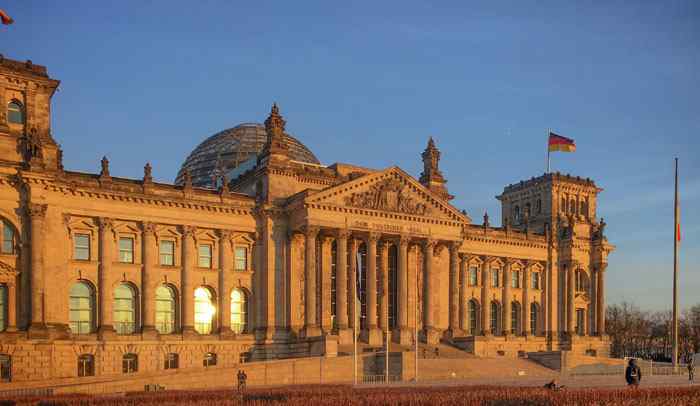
15 112
495 318
516 215
239 315
130 363
538 206
165 310
515 317
81 308
86 365
8 238
580 322
3 307
534 313
473 317
124 309
204 310
563 205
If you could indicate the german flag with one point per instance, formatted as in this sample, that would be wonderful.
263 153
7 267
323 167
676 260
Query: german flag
561 143
6 19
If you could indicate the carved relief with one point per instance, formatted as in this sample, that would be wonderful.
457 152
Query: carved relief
388 195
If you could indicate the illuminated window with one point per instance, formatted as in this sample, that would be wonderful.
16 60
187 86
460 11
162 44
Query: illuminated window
204 311
81 308
126 250
165 310
124 309
205 256
238 311
15 113
81 247
167 252
241 258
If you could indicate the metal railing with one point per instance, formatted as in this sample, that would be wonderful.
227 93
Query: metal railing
380 379
34 392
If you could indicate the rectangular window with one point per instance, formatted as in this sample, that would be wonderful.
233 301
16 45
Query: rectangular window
473 278
580 321
86 365
535 280
171 361
515 279
126 250
81 247
5 368
167 253
241 262
130 363
205 256
8 245
495 276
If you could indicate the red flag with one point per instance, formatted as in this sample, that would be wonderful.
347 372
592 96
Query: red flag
678 232
6 19
561 143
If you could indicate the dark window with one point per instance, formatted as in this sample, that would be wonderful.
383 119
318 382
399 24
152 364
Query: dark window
473 317
3 307
81 247
86 365
5 368
533 318
130 363
171 361
393 286
209 359
334 287
8 238
538 206
515 317
580 321
535 280
15 113
495 319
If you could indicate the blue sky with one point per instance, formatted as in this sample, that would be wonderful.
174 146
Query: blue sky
368 82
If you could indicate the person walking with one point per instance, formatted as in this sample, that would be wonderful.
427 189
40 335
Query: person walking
691 371
633 374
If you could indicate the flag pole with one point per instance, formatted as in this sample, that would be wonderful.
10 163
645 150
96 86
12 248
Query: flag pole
675 273
355 320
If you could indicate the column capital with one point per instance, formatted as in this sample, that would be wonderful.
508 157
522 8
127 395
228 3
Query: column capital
404 240
189 231
429 243
36 210
225 234
327 238
342 233
373 237
105 223
311 231
148 228
454 246
601 267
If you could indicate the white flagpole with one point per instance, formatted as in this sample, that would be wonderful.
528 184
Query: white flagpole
548 132
676 213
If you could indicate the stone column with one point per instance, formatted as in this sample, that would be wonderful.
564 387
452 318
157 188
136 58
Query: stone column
402 334
372 335
341 287
326 258
225 285
189 256
570 311
312 328
485 302
37 215
431 334
353 306
507 300
104 302
454 330
600 302
147 280
526 300
384 288
12 306
463 278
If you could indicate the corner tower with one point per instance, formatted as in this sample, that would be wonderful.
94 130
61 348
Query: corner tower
432 177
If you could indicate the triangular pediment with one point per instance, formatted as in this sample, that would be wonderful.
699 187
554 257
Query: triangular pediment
391 190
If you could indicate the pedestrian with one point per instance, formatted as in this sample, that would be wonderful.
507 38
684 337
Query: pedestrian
241 379
691 371
553 385
633 374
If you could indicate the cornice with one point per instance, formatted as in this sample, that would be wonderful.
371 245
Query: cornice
382 214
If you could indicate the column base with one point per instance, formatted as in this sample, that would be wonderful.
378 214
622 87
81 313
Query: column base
403 336
345 336
311 331
149 333
372 336
454 333
38 331
106 332
189 333
431 336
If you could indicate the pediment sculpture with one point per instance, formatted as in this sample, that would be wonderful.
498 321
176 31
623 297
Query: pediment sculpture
388 195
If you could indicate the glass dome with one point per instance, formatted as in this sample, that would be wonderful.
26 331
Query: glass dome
226 150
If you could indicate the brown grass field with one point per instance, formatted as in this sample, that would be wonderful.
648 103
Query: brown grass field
346 395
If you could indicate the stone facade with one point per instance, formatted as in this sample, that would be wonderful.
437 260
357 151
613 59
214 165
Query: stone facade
105 275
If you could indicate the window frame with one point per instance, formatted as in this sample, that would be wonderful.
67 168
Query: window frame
130 363
171 361
86 365
209 258
473 274
172 327
129 251
11 113
8 227
236 258
210 360
198 326
79 248
125 327
495 276
515 278
5 368
494 321
473 307
534 315
535 280
90 309
171 254
242 313
4 306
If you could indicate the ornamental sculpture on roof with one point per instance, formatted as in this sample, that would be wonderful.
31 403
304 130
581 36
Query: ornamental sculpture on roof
387 195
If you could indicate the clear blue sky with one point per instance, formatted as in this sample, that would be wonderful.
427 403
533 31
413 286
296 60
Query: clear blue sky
367 83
